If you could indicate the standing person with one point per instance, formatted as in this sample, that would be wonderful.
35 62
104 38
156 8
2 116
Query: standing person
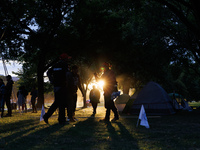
110 86
25 96
77 84
62 80
21 95
2 92
94 98
34 95
7 96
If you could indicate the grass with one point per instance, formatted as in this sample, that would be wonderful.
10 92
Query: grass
174 132
194 104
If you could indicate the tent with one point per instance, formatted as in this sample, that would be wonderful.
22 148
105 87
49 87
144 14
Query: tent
128 105
121 101
155 100
179 102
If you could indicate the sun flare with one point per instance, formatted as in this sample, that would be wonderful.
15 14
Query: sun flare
100 83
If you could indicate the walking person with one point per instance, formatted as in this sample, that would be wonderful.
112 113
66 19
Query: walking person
94 98
34 95
7 96
62 81
2 93
77 84
110 86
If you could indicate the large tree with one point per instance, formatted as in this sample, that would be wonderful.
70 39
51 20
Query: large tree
31 28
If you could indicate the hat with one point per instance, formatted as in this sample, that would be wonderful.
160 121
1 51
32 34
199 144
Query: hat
106 64
65 56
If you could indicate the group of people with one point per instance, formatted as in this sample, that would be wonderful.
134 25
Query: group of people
22 96
5 97
66 83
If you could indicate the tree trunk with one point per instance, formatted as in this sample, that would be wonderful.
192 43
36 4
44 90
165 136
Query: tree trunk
84 98
40 80
126 86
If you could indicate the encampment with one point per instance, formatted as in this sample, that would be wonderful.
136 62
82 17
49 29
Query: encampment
179 102
155 100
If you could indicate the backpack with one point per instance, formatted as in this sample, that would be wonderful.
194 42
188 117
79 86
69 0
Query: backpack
58 74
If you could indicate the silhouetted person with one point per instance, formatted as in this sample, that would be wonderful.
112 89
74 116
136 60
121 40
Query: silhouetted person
2 93
94 98
62 80
110 86
8 93
34 95
21 95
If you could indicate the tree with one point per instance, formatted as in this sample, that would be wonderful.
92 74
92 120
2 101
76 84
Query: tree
19 19
189 14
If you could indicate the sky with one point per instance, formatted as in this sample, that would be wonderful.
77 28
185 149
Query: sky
11 66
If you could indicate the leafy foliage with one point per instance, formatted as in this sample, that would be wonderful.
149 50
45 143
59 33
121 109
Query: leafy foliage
143 40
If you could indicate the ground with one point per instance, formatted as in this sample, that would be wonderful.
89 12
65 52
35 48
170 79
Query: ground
25 131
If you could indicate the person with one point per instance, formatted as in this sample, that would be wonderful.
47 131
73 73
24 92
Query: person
7 96
94 98
21 95
62 81
2 92
110 86
34 95
77 84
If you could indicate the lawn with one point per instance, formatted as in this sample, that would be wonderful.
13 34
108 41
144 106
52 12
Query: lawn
174 132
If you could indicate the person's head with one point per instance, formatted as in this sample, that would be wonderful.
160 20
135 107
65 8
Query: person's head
8 77
94 87
64 57
105 66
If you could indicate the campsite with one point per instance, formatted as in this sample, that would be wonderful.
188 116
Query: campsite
174 129
174 132
148 51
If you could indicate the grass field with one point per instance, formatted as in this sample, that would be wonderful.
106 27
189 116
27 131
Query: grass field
174 132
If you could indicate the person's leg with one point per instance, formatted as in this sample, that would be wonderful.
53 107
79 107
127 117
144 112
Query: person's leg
52 109
74 104
62 98
32 103
94 108
25 108
7 99
70 106
115 111
2 108
35 108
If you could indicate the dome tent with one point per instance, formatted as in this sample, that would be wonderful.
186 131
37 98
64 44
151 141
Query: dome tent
155 100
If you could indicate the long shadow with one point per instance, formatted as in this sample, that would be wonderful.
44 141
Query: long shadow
85 134
25 134
81 135
120 137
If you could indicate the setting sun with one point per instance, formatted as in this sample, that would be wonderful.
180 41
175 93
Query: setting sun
100 83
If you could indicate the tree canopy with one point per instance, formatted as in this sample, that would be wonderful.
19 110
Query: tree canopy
143 40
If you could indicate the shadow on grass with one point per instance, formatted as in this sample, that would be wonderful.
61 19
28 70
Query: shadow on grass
120 137
24 134
87 133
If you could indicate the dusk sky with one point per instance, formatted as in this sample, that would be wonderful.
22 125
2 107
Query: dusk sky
12 66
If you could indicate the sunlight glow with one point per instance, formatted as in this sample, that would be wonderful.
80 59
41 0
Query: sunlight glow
101 83
98 85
